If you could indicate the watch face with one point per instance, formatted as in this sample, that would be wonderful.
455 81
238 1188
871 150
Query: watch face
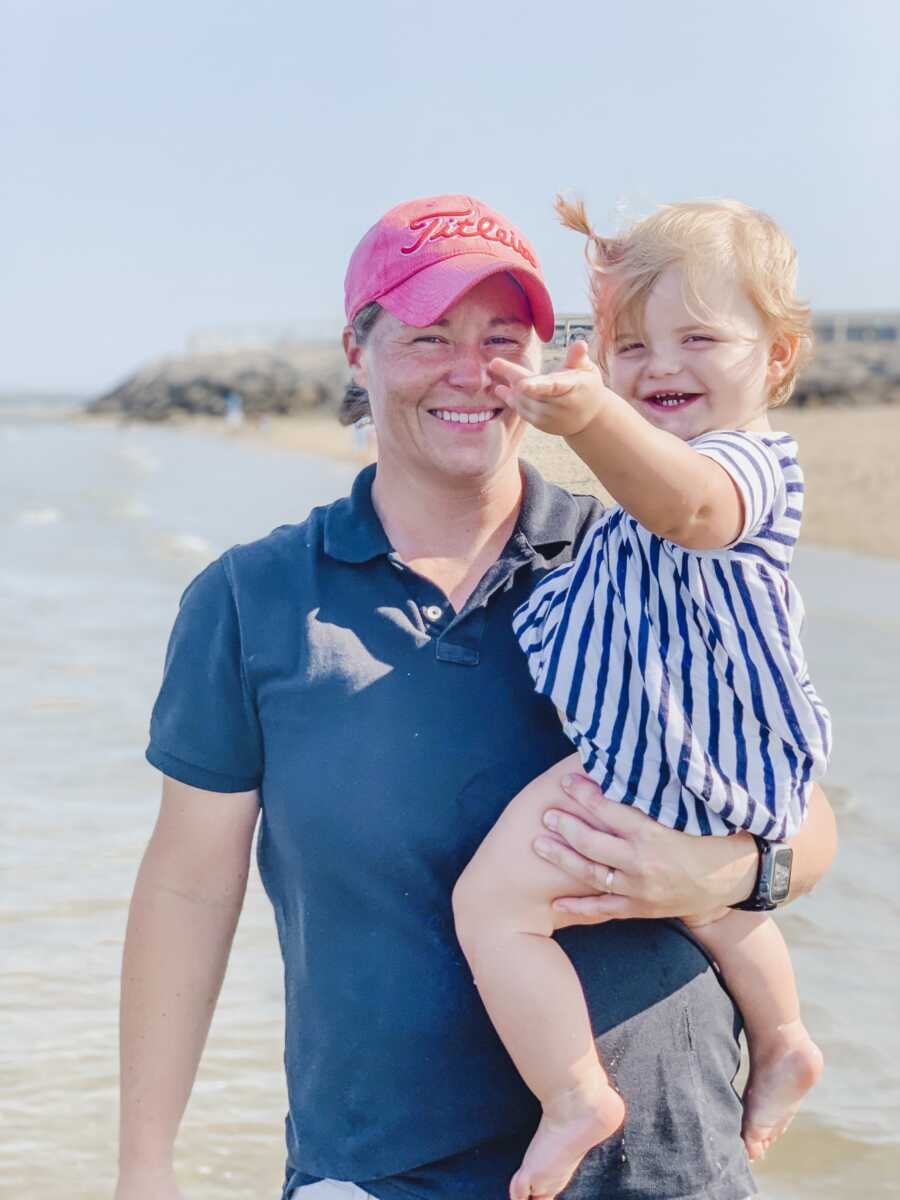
780 886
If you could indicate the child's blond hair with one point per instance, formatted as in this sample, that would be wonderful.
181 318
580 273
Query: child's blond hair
700 237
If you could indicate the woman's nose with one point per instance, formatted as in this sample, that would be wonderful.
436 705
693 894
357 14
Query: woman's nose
468 371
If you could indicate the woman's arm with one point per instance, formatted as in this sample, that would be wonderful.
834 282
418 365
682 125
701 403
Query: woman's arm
660 872
186 903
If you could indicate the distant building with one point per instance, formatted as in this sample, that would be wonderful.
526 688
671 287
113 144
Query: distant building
831 328
572 326
262 335
843 328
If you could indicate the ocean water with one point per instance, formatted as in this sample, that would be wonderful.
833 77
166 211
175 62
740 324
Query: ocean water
101 529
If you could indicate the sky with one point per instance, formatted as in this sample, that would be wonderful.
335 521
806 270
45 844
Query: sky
182 165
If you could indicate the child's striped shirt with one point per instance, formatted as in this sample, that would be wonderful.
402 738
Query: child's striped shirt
679 672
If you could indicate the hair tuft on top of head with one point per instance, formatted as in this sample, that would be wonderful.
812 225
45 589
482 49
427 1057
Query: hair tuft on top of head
573 215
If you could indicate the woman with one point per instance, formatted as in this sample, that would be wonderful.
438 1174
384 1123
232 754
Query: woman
355 679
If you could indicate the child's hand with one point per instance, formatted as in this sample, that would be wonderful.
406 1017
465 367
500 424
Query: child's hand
563 403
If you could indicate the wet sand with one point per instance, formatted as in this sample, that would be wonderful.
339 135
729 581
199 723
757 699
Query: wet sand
849 456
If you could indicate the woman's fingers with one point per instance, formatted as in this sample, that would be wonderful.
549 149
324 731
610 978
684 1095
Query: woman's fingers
564 917
597 845
607 814
666 873
594 910
585 868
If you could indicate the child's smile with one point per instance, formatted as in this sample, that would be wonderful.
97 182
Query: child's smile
670 399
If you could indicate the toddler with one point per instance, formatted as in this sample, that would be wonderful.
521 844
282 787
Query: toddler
670 646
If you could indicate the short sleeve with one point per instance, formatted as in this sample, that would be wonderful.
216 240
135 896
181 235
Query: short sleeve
204 729
754 468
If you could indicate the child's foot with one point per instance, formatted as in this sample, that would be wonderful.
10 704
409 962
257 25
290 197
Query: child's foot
571 1125
780 1076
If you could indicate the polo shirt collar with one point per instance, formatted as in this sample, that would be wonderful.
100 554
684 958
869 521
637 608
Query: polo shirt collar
549 515
353 531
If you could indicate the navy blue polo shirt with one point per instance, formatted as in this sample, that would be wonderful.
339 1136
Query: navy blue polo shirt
386 733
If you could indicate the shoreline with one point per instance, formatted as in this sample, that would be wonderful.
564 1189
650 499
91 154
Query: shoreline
848 457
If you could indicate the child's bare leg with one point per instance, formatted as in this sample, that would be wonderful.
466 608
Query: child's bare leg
504 919
784 1060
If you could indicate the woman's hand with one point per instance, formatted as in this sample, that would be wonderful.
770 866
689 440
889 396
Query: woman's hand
656 871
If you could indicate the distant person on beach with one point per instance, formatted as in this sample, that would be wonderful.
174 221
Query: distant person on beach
353 684
234 409
670 644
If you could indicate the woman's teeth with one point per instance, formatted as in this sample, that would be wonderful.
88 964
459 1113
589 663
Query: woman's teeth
464 418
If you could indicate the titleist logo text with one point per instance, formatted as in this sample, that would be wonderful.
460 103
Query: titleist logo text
464 224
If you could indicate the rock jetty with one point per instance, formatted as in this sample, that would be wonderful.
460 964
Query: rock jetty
850 374
288 381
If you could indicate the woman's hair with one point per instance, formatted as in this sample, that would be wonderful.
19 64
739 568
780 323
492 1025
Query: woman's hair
355 402
702 237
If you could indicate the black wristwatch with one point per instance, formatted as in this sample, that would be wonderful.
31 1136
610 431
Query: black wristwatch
773 878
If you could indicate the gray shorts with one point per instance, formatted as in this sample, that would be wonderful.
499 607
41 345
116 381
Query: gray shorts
334 1189
330 1189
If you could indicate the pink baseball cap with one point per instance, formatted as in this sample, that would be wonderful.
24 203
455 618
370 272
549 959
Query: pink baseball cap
421 257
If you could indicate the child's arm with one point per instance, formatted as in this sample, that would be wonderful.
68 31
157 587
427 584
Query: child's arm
672 490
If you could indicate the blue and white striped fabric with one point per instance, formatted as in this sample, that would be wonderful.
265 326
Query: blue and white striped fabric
679 673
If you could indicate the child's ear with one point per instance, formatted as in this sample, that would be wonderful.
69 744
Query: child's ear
782 356
353 352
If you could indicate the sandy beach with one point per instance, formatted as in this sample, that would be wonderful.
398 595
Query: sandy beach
849 456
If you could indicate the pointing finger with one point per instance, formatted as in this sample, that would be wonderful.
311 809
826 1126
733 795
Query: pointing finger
578 357
508 372
547 386
573 353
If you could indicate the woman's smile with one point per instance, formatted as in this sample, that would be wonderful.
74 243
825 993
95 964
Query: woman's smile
468 419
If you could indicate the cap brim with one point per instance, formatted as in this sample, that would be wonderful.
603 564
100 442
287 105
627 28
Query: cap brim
426 296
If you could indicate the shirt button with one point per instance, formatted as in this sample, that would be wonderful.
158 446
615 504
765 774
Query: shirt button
432 612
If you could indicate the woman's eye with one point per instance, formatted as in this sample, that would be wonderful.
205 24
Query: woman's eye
430 339
499 340
698 337
630 346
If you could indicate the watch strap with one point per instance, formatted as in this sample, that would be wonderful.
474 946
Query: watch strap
757 901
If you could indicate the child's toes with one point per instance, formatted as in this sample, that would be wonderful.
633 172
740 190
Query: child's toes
754 1149
525 1187
520 1187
